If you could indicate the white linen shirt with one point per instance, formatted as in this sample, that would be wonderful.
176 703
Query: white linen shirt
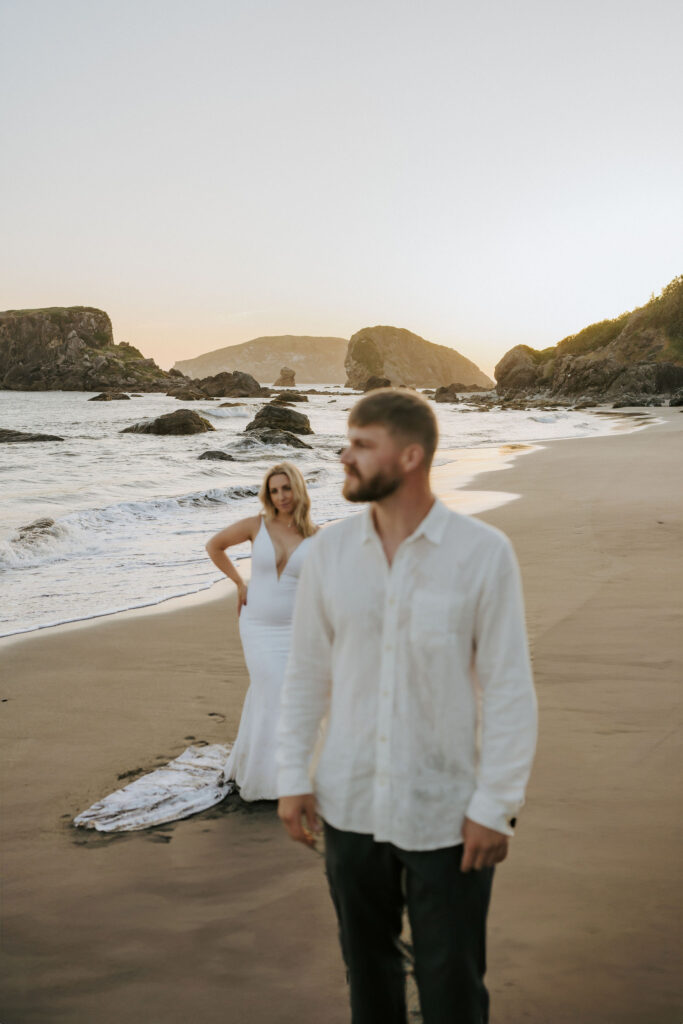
422 671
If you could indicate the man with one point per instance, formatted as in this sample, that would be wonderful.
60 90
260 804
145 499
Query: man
409 636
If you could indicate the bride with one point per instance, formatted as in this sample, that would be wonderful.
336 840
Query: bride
279 540
200 777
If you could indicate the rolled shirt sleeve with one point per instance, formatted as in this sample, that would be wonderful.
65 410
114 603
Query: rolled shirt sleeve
508 702
306 688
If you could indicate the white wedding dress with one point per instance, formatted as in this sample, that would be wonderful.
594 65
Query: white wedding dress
201 776
265 628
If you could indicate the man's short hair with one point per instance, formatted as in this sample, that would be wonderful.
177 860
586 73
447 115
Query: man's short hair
404 413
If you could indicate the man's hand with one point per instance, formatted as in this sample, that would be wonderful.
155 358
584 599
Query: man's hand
483 846
291 811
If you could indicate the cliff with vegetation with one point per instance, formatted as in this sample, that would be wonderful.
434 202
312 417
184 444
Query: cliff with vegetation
637 354
313 360
71 349
405 358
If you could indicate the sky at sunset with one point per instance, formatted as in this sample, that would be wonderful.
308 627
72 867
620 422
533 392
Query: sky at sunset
484 174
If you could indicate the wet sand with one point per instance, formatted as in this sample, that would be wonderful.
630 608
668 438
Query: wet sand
220 918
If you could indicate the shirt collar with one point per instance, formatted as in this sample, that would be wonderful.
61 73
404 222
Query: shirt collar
432 526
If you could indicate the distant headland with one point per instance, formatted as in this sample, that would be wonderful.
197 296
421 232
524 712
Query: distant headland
634 359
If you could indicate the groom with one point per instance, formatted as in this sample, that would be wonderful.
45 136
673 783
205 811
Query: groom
409 636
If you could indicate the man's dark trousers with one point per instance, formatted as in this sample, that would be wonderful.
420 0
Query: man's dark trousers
370 883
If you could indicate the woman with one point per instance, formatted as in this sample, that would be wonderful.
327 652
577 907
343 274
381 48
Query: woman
279 539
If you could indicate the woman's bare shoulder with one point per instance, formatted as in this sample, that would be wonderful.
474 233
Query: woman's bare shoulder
236 533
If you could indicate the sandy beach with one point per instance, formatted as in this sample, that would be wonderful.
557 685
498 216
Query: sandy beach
220 918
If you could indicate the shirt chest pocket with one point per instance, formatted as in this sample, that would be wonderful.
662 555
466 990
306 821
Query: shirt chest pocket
436 619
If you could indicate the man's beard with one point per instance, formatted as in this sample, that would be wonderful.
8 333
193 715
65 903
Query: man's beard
379 486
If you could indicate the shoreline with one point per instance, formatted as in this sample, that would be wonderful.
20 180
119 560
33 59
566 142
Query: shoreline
480 460
220 917
453 482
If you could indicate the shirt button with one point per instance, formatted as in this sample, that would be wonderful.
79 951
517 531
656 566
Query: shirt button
383 739
392 600
388 647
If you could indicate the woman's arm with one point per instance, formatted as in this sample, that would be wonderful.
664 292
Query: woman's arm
238 533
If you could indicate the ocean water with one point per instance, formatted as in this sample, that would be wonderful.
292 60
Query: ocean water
132 512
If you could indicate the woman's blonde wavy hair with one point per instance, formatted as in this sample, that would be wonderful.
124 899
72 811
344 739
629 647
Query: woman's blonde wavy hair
302 502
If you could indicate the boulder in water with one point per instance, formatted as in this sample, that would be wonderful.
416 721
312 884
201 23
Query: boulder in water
288 396
231 385
217 456
282 419
110 396
183 421
188 394
447 394
286 378
271 435
14 436
374 383
36 527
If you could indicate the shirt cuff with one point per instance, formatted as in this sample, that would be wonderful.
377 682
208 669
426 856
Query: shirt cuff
293 782
490 813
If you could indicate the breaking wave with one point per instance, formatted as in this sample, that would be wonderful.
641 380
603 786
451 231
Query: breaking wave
90 531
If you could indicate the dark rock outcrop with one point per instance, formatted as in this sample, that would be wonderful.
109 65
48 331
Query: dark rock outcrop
447 394
183 421
280 418
636 355
375 383
289 396
217 456
37 527
272 435
231 385
188 394
286 378
110 396
406 358
71 349
17 436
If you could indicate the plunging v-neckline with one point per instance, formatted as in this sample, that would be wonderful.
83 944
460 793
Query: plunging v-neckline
279 575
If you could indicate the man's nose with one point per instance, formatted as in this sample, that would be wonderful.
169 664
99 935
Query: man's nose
345 456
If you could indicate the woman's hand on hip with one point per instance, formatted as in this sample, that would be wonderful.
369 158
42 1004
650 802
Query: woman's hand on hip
241 597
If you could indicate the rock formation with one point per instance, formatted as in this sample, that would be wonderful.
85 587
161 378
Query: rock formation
314 360
405 358
17 436
189 393
374 383
217 456
286 378
635 355
447 394
288 397
231 385
71 349
110 396
272 435
281 418
182 421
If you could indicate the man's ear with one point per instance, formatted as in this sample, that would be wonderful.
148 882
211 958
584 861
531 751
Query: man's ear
412 457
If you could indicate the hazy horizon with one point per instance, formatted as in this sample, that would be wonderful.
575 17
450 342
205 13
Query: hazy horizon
483 175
